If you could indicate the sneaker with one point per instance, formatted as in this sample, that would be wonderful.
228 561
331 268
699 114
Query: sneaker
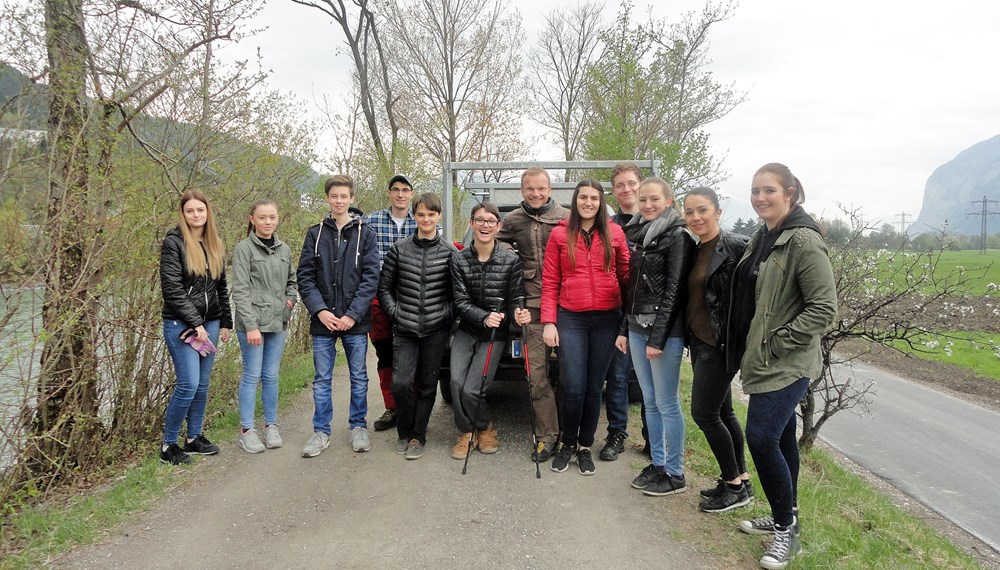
250 442
174 455
401 446
664 484
386 420
488 440
647 474
765 525
461 449
586 462
783 548
720 485
544 450
414 449
560 462
359 439
615 444
272 437
201 446
727 500
318 441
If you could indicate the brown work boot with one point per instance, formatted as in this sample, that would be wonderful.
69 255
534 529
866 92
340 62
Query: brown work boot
488 442
461 448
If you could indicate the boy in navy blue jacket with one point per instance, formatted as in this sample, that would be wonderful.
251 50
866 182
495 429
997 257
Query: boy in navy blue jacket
338 278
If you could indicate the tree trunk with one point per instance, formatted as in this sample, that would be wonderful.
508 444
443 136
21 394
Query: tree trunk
809 428
65 419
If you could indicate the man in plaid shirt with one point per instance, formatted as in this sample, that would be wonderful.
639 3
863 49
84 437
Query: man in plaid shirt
391 225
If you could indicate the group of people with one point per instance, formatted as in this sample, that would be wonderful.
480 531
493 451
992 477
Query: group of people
609 293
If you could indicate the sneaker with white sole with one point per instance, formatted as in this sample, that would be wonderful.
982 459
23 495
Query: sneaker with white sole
359 439
318 441
782 549
414 449
560 461
727 500
765 525
272 437
250 441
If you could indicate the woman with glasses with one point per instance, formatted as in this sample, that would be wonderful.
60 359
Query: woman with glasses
487 287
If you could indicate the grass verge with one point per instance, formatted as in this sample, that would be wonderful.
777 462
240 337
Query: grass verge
979 352
32 537
845 523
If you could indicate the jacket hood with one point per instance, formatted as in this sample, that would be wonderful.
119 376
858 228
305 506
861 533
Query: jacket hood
357 218
174 232
798 218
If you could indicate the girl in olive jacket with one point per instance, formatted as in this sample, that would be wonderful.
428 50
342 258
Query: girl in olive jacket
264 293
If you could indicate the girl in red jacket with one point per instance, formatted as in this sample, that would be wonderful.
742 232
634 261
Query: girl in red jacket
585 266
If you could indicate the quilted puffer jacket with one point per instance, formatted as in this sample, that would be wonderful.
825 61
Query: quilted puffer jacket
414 288
481 288
188 297
658 272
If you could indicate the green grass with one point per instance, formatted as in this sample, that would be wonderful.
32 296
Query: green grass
845 523
41 532
983 268
979 352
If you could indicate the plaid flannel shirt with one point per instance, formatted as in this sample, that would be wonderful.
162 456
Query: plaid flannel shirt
386 231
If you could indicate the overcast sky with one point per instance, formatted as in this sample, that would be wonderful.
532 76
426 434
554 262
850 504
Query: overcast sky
862 99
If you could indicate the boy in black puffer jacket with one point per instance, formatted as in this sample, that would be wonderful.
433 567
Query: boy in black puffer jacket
415 291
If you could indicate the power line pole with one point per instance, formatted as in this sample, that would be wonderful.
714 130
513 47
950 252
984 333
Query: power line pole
902 228
984 214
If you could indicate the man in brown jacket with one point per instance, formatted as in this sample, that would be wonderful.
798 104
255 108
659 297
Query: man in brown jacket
528 229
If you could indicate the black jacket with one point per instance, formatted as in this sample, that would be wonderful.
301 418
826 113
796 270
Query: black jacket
187 297
718 280
481 288
414 288
664 253
338 272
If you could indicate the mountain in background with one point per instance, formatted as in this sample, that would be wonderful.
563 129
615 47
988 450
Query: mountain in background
955 185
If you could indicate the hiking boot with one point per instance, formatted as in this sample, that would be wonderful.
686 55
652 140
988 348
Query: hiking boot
585 461
272 437
544 450
765 525
414 449
644 477
560 462
201 446
783 548
401 446
250 442
664 484
488 441
386 420
318 441
461 449
715 491
359 439
614 445
174 455
727 500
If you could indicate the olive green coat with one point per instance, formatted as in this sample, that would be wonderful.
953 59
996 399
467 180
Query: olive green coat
263 280
796 302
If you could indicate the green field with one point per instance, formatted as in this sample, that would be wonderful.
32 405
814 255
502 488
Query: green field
984 268
979 352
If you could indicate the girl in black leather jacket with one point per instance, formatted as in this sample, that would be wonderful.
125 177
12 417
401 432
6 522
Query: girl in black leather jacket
196 315
707 312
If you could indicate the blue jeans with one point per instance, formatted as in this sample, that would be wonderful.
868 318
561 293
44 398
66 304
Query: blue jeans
260 365
191 391
324 355
660 382
586 341
616 391
775 451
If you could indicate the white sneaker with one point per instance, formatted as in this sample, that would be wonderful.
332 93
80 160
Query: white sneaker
316 444
359 439
250 442
272 437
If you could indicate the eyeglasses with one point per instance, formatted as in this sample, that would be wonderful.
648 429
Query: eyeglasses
400 190
631 184
486 222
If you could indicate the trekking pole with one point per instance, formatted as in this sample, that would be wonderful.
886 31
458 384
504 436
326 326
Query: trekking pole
527 376
482 394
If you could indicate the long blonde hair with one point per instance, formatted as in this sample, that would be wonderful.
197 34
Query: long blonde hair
193 252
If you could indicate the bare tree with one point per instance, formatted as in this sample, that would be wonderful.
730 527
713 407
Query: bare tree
568 43
375 92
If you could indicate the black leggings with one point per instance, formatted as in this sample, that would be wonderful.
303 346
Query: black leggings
712 408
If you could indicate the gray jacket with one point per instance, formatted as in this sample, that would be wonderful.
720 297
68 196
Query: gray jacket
263 281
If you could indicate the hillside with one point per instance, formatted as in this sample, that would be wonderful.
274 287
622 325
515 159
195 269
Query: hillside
955 185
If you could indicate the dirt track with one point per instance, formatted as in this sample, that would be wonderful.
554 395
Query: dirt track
370 510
